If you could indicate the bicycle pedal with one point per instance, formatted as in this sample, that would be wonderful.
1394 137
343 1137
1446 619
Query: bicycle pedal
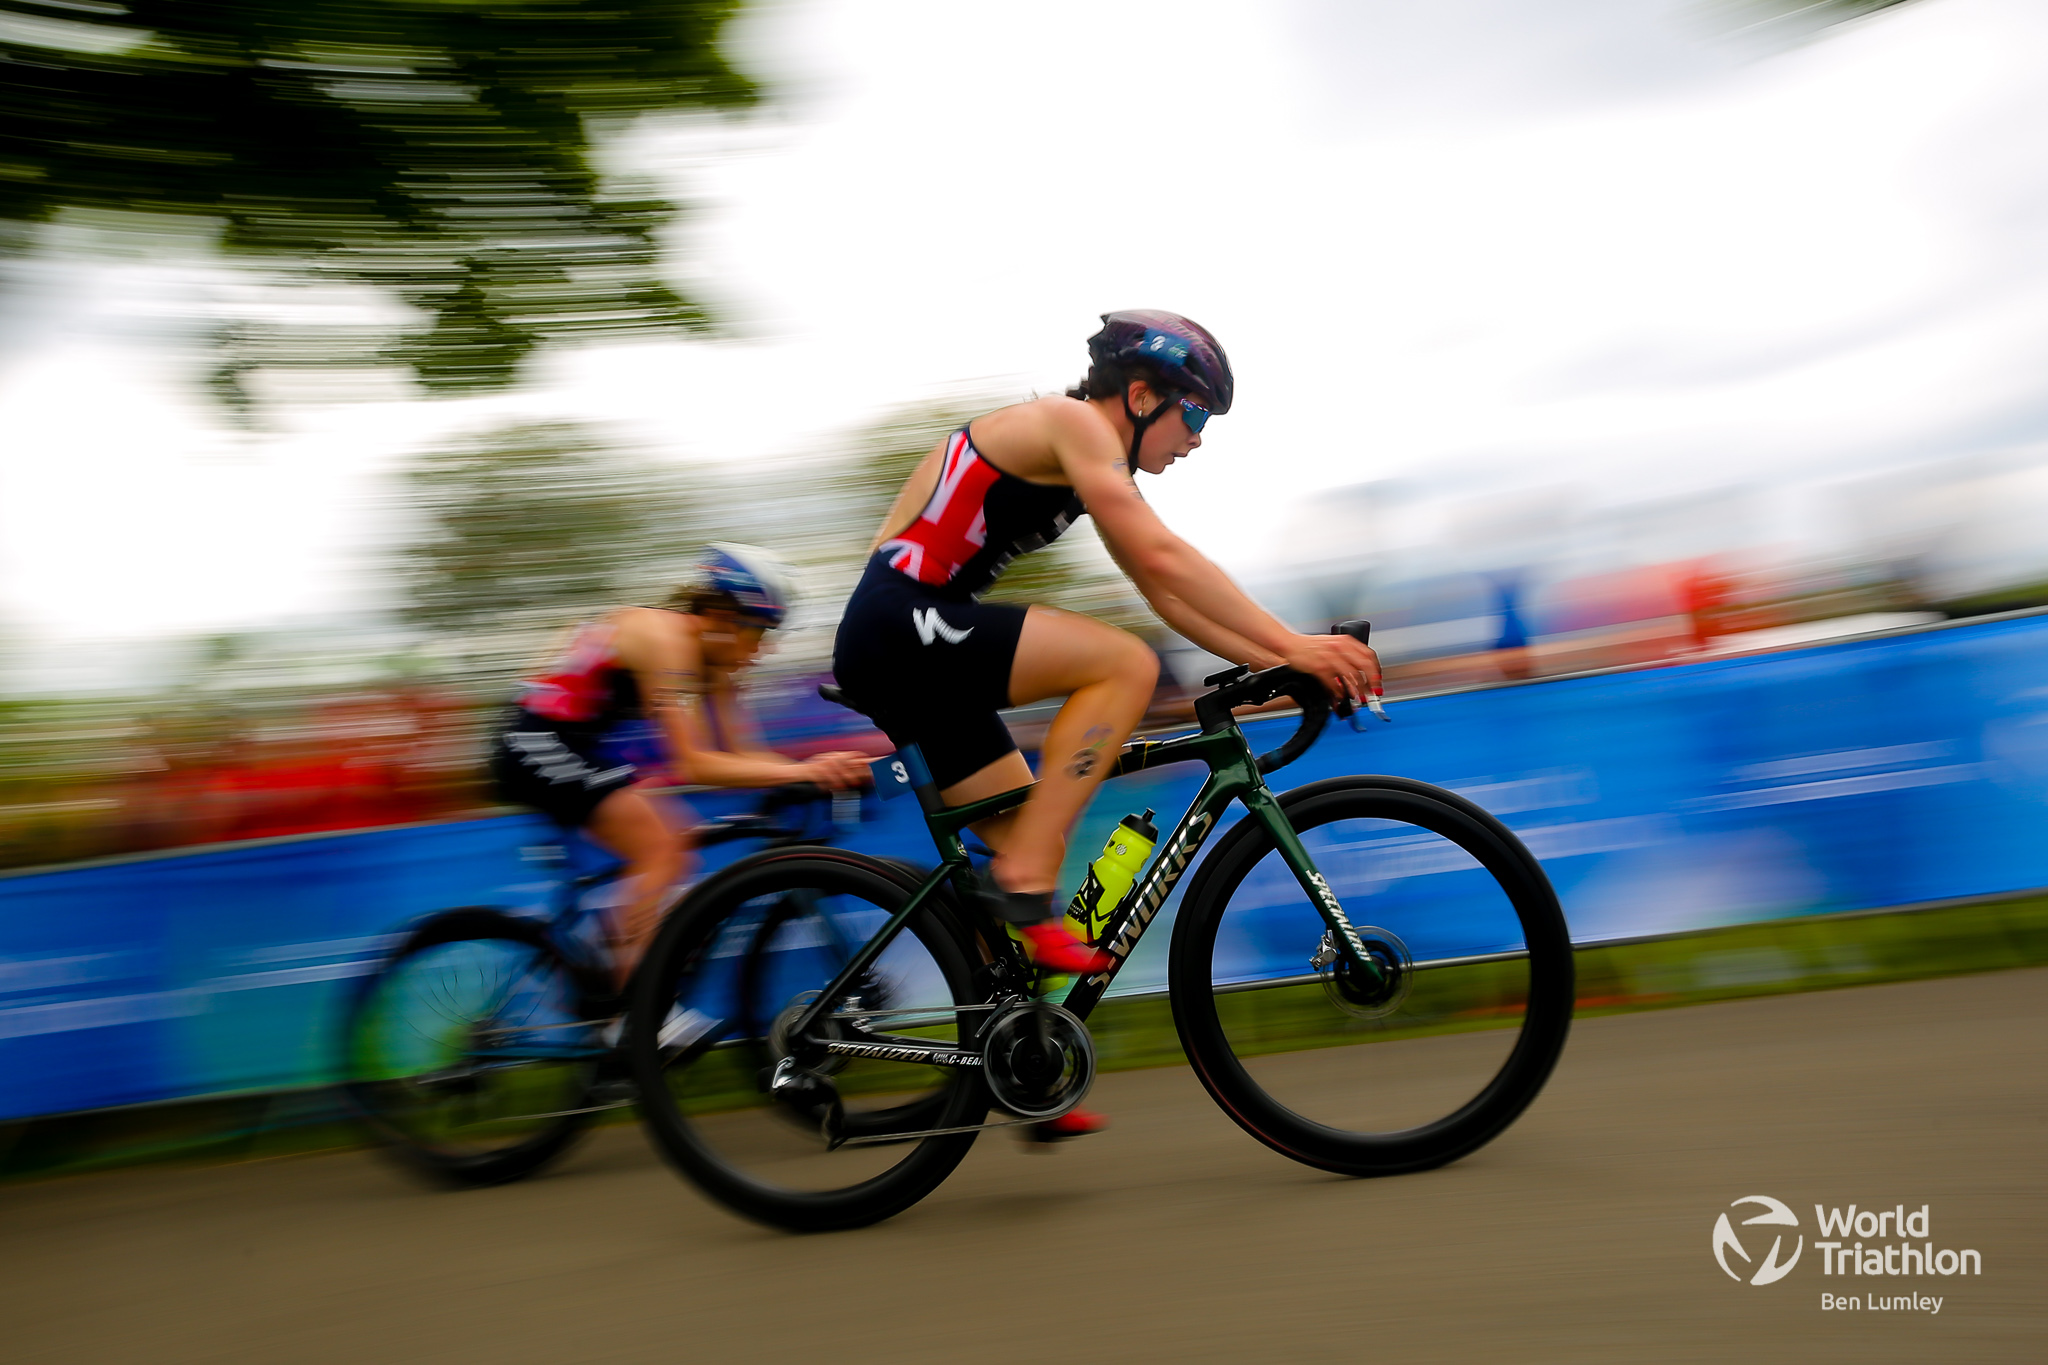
683 1028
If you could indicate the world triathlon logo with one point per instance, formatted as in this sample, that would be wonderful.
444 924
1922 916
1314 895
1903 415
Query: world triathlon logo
1878 1242
1772 1269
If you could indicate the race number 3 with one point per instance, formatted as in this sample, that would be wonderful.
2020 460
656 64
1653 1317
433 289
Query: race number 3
900 772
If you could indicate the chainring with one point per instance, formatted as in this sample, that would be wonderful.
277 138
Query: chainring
1037 1058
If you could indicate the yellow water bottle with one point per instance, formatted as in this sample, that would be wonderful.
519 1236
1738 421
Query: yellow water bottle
1111 876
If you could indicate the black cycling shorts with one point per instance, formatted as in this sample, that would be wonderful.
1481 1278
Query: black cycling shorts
932 670
554 768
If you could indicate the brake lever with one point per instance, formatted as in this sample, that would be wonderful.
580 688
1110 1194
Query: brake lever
1360 631
1349 711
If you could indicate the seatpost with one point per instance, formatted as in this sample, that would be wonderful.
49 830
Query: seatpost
921 783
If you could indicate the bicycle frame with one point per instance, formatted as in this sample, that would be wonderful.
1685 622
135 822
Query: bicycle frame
572 905
1233 776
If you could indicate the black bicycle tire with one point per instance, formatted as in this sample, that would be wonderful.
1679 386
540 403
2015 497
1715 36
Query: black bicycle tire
478 1170
691 925
1546 1021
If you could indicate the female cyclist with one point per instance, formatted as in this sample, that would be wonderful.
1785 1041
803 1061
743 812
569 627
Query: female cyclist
674 667
919 651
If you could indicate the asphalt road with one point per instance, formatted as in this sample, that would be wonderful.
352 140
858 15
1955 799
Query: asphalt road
1582 1235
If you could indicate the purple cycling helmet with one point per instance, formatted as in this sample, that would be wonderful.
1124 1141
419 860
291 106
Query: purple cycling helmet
1183 351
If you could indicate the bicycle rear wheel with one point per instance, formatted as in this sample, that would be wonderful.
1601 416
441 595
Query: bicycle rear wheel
710 1029
1374 1073
467 1053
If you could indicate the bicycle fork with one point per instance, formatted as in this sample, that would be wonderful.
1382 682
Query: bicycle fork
1267 812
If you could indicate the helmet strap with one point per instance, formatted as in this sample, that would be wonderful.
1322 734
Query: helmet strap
1140 425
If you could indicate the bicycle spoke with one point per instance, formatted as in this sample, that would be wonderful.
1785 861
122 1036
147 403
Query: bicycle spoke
468 1053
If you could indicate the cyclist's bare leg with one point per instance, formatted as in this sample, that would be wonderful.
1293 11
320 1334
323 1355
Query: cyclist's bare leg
1005 774
1107 676
632 826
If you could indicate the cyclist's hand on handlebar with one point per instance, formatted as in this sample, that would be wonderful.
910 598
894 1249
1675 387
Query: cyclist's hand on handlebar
837 771
1349 669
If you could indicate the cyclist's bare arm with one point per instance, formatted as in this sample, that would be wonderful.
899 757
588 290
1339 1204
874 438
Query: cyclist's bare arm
836 770
741 735
1166 567
674 684
1204 633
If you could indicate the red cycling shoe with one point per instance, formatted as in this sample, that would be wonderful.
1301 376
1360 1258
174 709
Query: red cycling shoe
1053 946
1072 1124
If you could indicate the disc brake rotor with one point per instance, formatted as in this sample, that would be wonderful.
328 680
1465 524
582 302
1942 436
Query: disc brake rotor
1359 990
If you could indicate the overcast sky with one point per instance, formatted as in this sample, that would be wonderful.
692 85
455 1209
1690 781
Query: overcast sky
1588 239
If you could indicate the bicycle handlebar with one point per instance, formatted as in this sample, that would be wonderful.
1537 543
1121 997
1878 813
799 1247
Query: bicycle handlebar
763 821
793 794
1240 686
1315 704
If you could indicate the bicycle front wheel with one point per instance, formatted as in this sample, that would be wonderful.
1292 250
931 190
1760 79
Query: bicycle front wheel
1416 1061
775 1126
468 1053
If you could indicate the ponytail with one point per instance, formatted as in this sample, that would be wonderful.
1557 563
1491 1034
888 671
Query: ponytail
1106 379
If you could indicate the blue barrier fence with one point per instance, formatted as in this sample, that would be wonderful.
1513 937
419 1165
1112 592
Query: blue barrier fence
1878 772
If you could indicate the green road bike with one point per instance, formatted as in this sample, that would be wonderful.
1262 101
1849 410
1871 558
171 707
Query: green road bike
813 1090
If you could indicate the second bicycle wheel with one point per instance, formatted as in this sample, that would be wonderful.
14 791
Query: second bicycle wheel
467 1052
1401 1068
710 1027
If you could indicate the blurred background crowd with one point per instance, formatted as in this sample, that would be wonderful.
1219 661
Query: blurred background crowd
353 347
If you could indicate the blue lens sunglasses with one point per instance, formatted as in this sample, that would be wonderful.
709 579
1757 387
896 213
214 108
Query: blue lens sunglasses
1194 414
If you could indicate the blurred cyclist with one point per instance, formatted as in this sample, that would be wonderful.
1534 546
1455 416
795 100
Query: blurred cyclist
675 667
933 664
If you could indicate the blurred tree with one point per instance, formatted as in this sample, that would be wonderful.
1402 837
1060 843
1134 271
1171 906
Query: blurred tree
1837 10
11 656
875 460
1794 17
529 526
441 149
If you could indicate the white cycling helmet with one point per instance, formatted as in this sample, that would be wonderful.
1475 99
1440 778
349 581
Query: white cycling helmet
756 580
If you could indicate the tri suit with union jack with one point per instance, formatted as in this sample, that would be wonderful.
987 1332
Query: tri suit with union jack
917 648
